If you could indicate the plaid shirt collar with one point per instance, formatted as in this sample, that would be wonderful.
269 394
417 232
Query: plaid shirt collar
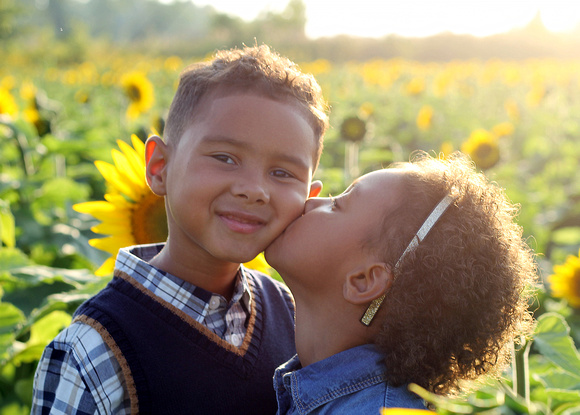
192 300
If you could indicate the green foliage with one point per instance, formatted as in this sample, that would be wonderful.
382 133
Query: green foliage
555 370
36 303
45 261
7 225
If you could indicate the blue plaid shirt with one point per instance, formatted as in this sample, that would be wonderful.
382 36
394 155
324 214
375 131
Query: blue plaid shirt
78 373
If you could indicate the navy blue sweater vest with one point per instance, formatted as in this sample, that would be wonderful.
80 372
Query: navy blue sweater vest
174 365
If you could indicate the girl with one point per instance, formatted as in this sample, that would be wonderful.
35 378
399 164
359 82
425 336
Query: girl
415 274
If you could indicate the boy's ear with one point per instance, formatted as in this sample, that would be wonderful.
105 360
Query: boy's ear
156 162
315 188
367 283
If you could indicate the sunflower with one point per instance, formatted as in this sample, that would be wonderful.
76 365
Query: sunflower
512 109
173 63
28 91
503 129
565 281
82 96
353 129
8 82
403 411
424 117
415 86
446 148
131 213
139 90
7 103
536 95
482 146
366 110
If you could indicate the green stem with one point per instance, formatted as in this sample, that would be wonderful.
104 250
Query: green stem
521 370
23 148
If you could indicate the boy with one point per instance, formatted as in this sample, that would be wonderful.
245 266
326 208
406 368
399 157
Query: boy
182 327
416 273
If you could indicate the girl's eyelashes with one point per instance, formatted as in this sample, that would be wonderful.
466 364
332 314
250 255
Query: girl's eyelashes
332 202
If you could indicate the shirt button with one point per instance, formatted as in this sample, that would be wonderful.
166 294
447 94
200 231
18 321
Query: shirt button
214 303
236 339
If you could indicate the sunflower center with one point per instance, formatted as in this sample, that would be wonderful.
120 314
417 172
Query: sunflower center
149 220
134 93
484 151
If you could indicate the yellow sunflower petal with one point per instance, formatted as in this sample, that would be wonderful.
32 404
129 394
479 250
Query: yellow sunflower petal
100 209
404 411
111 175
154 131
110 228
112 244
139 147
105 210
119 201
259 264
88 207
565 281
106 268
136 162
125 169
133 111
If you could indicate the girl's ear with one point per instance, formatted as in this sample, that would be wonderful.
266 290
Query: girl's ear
315 188
156 162
367 283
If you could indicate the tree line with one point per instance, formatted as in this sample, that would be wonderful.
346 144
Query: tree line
183 28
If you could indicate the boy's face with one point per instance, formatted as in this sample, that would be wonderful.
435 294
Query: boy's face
331 238
236 178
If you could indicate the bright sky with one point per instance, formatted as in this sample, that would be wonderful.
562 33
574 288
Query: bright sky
376 18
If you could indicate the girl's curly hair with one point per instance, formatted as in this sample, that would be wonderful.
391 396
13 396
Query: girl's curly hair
462 295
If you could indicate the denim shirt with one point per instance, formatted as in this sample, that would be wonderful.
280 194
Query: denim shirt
350 382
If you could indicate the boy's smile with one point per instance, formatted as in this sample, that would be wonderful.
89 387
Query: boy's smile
236 178
242 222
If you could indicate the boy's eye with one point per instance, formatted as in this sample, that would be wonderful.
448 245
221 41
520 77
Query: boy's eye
224 158
281 174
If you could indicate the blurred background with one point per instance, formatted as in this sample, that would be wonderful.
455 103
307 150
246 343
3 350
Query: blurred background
303 29
84 82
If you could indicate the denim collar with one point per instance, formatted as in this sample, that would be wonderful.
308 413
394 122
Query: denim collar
316 384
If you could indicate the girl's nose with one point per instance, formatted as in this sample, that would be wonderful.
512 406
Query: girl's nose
316 202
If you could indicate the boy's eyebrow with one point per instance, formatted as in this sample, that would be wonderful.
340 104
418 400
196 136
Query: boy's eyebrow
221 139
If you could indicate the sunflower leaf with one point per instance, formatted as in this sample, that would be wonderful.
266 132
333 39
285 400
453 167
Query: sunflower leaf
7 225
10 319
552 339
558 379
563 396
12 258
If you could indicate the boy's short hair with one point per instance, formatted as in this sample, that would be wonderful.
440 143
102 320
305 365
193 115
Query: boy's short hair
251 69
460 298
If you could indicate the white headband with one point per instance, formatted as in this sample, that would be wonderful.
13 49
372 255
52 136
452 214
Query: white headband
417 238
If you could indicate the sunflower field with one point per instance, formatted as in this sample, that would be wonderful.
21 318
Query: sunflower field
72 188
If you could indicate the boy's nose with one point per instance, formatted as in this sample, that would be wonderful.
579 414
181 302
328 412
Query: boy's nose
251 189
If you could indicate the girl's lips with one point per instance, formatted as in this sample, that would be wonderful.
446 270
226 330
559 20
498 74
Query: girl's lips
242 223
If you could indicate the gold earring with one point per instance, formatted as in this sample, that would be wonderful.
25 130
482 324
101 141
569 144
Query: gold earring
372 310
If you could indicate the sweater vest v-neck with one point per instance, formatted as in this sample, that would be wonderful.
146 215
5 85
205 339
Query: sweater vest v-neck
174 365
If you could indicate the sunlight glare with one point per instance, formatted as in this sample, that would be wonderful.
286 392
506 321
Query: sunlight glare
414 18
